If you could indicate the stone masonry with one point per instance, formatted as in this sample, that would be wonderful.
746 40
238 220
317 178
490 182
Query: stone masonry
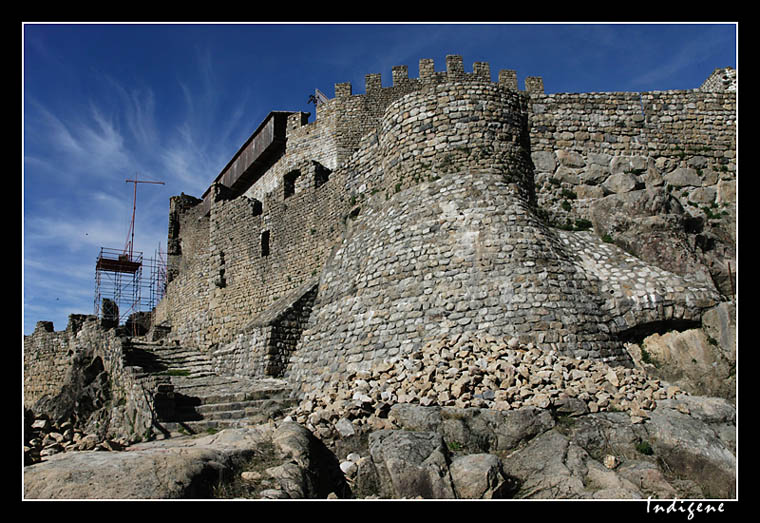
450 204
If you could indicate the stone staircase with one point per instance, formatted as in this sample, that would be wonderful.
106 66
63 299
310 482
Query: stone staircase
194 399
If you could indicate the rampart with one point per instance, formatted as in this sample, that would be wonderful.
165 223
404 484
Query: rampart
446 203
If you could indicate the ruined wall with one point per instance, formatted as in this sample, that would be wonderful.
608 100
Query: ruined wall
185 304
49 359
47 355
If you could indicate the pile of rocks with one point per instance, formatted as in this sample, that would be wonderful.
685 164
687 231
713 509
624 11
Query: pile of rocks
43 438
483 372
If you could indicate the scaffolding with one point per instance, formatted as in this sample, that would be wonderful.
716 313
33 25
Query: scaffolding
121 288
127 283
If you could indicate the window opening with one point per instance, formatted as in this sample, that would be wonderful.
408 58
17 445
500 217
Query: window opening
321 174
265 243
289 183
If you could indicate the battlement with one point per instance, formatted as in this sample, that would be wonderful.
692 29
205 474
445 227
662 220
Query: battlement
481 71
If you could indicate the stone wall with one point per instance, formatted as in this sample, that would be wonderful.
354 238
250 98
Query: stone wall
47 355
298 206
49 360
594 151
586 146
722 79
264 346
185 304
431 186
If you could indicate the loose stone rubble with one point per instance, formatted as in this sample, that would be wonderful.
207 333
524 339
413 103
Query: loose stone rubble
44 438
482 372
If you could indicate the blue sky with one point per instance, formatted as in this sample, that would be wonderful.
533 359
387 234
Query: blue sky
103 103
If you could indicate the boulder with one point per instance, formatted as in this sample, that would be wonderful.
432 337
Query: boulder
693 361
170 469
478 476
697 445
549 467
544 161
478 430
411 464
180 468
684 177
320 471
652 225
621 183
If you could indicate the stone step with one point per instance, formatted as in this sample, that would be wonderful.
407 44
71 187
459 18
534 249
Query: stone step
252 415
201 426
168 360
238 408
205 401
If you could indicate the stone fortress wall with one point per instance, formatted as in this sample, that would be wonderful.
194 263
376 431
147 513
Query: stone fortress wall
302 226
328 240
437 205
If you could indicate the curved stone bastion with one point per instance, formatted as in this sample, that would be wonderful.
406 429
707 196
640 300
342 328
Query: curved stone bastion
450 242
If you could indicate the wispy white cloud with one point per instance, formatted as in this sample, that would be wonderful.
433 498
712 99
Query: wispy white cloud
89 143
138 107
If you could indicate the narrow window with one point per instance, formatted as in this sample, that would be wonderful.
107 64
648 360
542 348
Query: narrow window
264 243
289 183
256 207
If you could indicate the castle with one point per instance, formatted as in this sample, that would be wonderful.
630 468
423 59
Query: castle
447 204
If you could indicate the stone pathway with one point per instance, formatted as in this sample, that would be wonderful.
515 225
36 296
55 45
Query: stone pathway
203 400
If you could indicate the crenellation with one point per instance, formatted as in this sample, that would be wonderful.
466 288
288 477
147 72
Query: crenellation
400 75
427 69
372 82
534 84
482 70
343 90
454 67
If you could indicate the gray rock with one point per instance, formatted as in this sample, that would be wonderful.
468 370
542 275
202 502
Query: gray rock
608 484
652 225
345 428
480 430
273 494
411 464
570 406
649 479
683 177
170 469
478 476
292 480
589 191
320 469
688 359
549 467
545 161
349 468
719 323
695 449
293 441
621 183
570 159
